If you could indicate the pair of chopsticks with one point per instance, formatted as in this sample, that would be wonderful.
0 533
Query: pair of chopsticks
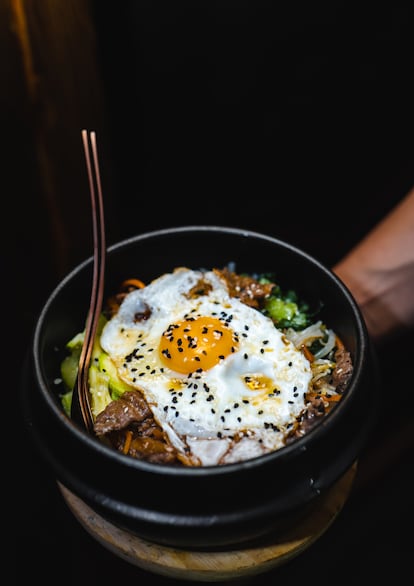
81 411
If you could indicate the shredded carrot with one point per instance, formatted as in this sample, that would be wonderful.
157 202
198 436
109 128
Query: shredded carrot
308 354
336 397
339 343
127 444
112 304
134 283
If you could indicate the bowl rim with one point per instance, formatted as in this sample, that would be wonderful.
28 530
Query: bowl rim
285 452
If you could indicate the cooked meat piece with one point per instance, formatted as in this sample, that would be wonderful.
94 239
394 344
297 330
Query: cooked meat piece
144 448
315 411
130 408
245 288
129 426
343 370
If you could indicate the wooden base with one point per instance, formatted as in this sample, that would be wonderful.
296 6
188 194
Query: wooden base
213 566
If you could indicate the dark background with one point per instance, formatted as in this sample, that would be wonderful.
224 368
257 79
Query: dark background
279 117
294 119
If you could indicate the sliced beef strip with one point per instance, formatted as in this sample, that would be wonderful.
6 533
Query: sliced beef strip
130 414
131 407
343 370
245 288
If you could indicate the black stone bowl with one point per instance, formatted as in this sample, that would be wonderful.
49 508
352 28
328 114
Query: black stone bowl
214 506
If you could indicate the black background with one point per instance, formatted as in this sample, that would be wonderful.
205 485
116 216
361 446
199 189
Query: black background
292 120
289 119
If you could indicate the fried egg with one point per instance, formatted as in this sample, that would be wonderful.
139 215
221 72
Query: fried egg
221 380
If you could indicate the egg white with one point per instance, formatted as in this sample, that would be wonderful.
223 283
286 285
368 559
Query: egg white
240 408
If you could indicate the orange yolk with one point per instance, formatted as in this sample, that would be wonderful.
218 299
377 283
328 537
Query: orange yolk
198 343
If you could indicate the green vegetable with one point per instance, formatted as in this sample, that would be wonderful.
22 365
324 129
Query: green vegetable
116 385
69 365
279 309
66 400
286 310
99 389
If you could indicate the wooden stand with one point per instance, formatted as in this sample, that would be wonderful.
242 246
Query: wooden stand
214 566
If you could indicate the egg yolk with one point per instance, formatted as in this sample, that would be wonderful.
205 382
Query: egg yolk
261 386
196 343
